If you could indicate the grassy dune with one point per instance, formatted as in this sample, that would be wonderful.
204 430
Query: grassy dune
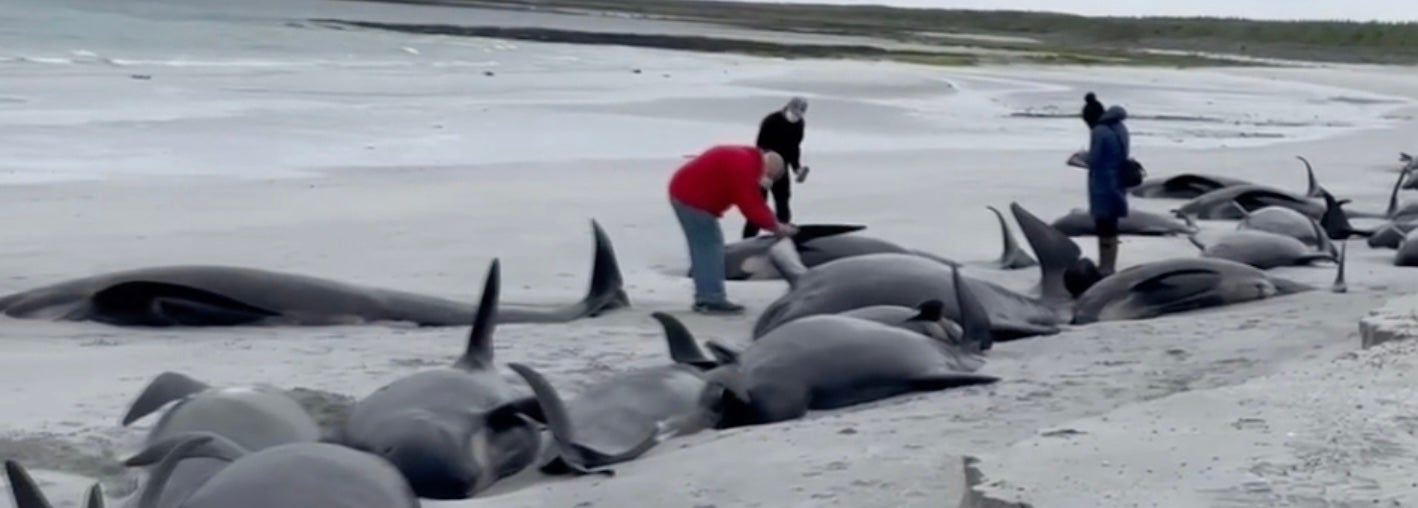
1066 38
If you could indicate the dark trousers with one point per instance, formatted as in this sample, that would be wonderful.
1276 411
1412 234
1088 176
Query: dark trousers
782 190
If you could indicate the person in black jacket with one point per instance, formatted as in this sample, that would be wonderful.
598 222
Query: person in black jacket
782 132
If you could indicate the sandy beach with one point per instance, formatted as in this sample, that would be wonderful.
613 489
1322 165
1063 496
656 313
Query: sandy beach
411 162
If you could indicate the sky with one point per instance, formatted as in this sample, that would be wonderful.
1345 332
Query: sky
1363 10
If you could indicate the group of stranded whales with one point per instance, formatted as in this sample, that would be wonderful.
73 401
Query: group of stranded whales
862 319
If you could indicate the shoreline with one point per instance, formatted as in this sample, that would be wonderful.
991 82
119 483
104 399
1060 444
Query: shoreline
1162 41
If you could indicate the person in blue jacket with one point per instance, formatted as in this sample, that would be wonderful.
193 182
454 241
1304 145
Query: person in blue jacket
1108 151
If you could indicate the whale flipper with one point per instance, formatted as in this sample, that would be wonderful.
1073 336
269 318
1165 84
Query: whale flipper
150 303
574 455
787 261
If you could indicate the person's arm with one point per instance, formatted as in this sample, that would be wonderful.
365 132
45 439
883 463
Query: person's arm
749 200
792 150
1097 149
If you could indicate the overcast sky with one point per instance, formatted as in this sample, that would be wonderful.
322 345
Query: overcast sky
1386 10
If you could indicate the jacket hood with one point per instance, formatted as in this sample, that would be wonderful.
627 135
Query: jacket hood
1114 114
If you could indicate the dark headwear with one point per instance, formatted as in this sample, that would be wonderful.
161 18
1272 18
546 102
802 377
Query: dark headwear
1092 110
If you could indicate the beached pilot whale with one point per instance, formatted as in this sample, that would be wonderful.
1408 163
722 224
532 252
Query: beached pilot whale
253 418
207 295
834 361
1183 186
302 474
1178 285
905 280
452 431
748 259
1192 185
1078 222
1220 204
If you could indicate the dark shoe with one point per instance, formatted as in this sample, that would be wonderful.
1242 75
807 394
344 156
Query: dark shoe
718 308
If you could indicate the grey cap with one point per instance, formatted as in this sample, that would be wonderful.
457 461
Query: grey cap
797 105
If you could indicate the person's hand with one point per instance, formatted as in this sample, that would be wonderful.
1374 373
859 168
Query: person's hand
785 230
802 173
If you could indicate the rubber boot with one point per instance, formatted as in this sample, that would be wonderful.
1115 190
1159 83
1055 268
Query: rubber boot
1107 255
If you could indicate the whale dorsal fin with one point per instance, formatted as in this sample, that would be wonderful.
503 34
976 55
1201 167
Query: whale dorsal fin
1340 286
974 319
683 348
1013 257
478 354
1322 240
1312 186
23 488
27 494
1056 253
164 388
94 498
1393 195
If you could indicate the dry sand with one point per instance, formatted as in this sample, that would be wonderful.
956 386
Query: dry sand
1256 404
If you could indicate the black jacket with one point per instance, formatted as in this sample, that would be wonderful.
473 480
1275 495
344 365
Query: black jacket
776 133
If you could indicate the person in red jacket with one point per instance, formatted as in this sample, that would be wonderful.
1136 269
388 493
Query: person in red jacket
701 190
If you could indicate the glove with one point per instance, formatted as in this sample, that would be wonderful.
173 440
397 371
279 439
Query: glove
786 230
802 174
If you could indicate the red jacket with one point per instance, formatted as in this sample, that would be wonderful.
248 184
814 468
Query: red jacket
724 176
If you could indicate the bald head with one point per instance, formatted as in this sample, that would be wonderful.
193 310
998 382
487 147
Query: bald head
773 165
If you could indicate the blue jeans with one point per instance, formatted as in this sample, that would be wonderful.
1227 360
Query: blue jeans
706 252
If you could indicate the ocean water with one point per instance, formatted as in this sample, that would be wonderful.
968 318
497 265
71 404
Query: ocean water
92 88
1362 10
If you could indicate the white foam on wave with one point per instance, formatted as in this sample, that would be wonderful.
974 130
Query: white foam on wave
243 63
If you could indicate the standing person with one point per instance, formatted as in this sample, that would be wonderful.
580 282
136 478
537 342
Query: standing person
701 190
1108 151
782 132
1092 110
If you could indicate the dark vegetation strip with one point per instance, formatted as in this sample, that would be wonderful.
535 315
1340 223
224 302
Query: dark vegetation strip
751 47
1331 41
